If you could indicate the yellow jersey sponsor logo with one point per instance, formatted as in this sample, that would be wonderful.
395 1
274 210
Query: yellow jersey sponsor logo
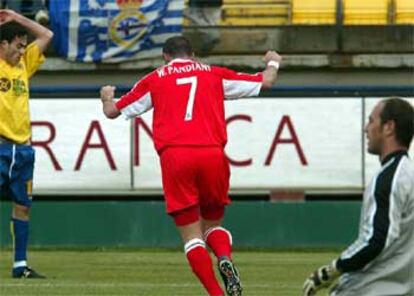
5 84
19 87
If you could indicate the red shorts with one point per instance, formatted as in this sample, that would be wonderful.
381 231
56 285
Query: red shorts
195 176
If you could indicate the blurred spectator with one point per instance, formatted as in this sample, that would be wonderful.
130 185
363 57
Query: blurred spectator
205 14
35 9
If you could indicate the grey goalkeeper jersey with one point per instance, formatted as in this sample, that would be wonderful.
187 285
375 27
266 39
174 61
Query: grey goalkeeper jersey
381 261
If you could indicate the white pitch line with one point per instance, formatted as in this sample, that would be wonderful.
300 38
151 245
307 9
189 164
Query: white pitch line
132 285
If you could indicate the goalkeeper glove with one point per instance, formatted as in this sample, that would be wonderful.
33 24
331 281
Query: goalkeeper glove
321 278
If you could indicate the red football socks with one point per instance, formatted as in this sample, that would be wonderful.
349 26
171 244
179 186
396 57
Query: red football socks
220 241
202 266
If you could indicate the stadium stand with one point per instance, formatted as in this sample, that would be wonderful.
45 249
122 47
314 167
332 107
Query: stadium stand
255 13
367 12
247 13
313 12
404 11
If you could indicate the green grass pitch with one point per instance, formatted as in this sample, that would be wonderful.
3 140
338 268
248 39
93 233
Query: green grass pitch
154 273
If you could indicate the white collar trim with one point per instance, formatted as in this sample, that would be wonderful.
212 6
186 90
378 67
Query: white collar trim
178 60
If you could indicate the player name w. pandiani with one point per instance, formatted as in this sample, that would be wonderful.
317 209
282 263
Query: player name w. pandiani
168 70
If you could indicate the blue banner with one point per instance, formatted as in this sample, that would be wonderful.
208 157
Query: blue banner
113 30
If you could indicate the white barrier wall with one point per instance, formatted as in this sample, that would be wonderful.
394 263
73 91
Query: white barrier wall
77 148
293 143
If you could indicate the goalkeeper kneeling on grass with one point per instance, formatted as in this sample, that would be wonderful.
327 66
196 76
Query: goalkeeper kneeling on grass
381 261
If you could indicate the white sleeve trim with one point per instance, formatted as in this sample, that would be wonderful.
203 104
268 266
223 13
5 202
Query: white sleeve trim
234 89
394 211
138 107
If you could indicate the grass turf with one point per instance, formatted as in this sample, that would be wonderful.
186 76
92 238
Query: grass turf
154 273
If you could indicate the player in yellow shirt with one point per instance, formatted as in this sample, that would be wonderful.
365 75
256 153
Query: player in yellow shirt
18 62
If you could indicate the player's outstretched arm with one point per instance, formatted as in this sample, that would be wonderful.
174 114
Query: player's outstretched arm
42 34
108 104
272 60
321 278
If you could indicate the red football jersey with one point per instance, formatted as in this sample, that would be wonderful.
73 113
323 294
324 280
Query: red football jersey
188 101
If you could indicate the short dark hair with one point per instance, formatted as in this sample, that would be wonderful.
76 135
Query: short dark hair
402 113
9 31
178 46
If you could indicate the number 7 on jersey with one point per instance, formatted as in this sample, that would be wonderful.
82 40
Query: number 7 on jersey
190 104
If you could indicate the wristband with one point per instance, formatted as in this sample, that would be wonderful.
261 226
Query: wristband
273 64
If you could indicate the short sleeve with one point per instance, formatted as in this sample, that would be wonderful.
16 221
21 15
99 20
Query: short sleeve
137 101
238 85
33 58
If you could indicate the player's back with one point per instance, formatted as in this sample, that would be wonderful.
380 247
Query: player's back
188 101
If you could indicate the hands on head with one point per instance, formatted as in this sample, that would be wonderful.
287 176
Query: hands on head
42 35
7 15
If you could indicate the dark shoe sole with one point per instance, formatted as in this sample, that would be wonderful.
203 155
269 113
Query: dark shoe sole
231 278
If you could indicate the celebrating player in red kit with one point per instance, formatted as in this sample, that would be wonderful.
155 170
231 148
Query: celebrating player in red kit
189 132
